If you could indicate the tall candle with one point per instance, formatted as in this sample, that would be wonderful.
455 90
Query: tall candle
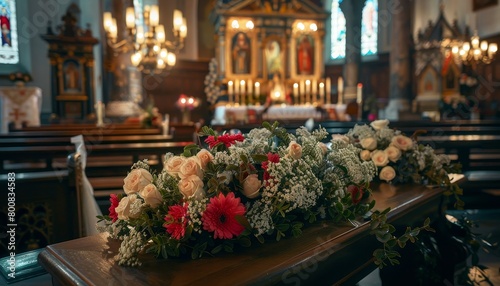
99 110
166 123
250 90
257 90
302 92
328 90
314 90
242 91
341 90
236 92
230 92
295 92
308 90
359 97
321 92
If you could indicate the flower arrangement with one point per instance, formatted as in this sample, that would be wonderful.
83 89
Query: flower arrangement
267 184
400 159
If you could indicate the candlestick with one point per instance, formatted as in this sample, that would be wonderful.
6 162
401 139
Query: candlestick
249 91
230 92
166 124
302 92
257 91
341 90
99 110
328 90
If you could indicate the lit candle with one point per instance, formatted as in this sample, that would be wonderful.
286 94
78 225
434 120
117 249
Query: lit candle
308 89
242 91
359 97
295 91
99 110
160 34
154 16
230 91
183 29
302 92
321 92
107 21
130 17
236 92
166 123
249 91
257 90
314 90
177 20
328 89
113 29
341 90
139 36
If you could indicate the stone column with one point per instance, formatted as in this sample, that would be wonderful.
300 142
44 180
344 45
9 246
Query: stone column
352 10
399 61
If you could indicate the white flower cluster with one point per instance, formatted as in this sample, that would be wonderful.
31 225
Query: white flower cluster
195 211
211 88
132 244
259 217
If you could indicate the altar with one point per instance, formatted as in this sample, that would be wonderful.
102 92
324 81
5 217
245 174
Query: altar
20 105
317 257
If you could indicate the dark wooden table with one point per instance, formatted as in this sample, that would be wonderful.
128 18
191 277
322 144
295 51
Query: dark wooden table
325 254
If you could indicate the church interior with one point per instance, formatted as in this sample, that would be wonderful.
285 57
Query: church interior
88 88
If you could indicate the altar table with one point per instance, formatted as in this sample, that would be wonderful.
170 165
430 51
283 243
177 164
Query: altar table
324 254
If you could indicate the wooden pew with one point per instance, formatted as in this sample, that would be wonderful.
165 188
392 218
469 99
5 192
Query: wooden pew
89 140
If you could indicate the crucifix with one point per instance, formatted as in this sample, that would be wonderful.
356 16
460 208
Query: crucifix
17 114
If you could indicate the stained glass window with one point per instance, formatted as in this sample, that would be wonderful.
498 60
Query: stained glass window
338 31
9 52
369 30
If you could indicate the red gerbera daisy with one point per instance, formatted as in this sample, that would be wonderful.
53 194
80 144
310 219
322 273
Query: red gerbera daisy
176 221
219 216
356 193
226 139
113 198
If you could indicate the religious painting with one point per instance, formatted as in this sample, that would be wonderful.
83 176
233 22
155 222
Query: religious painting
429 81
273 55
72 76
9 53
305 55
241 53
481 4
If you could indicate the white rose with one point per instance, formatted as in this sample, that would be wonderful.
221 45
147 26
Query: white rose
136 181
173 165
379 124
151 195
123 208
295 150
205 157
393 153
251 186
340 137
192 186
365 155
369 143
379 157
191 166
402 142
387 173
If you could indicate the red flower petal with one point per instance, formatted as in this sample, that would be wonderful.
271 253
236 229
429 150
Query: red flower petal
219 216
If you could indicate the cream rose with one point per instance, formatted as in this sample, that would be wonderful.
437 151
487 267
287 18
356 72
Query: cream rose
369 143
379 157
136 181
190 166
295 150
340 137
123 208
387 173
251 186
205 157
365 155
379 124
173 165
192 186
402 142
323 147
151 195
393 153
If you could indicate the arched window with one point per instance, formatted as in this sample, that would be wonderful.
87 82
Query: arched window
369 30
9 52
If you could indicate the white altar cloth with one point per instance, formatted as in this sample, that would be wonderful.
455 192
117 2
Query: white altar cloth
20 104
234 114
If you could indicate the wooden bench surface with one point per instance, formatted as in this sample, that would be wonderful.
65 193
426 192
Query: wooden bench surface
89 140
323 255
